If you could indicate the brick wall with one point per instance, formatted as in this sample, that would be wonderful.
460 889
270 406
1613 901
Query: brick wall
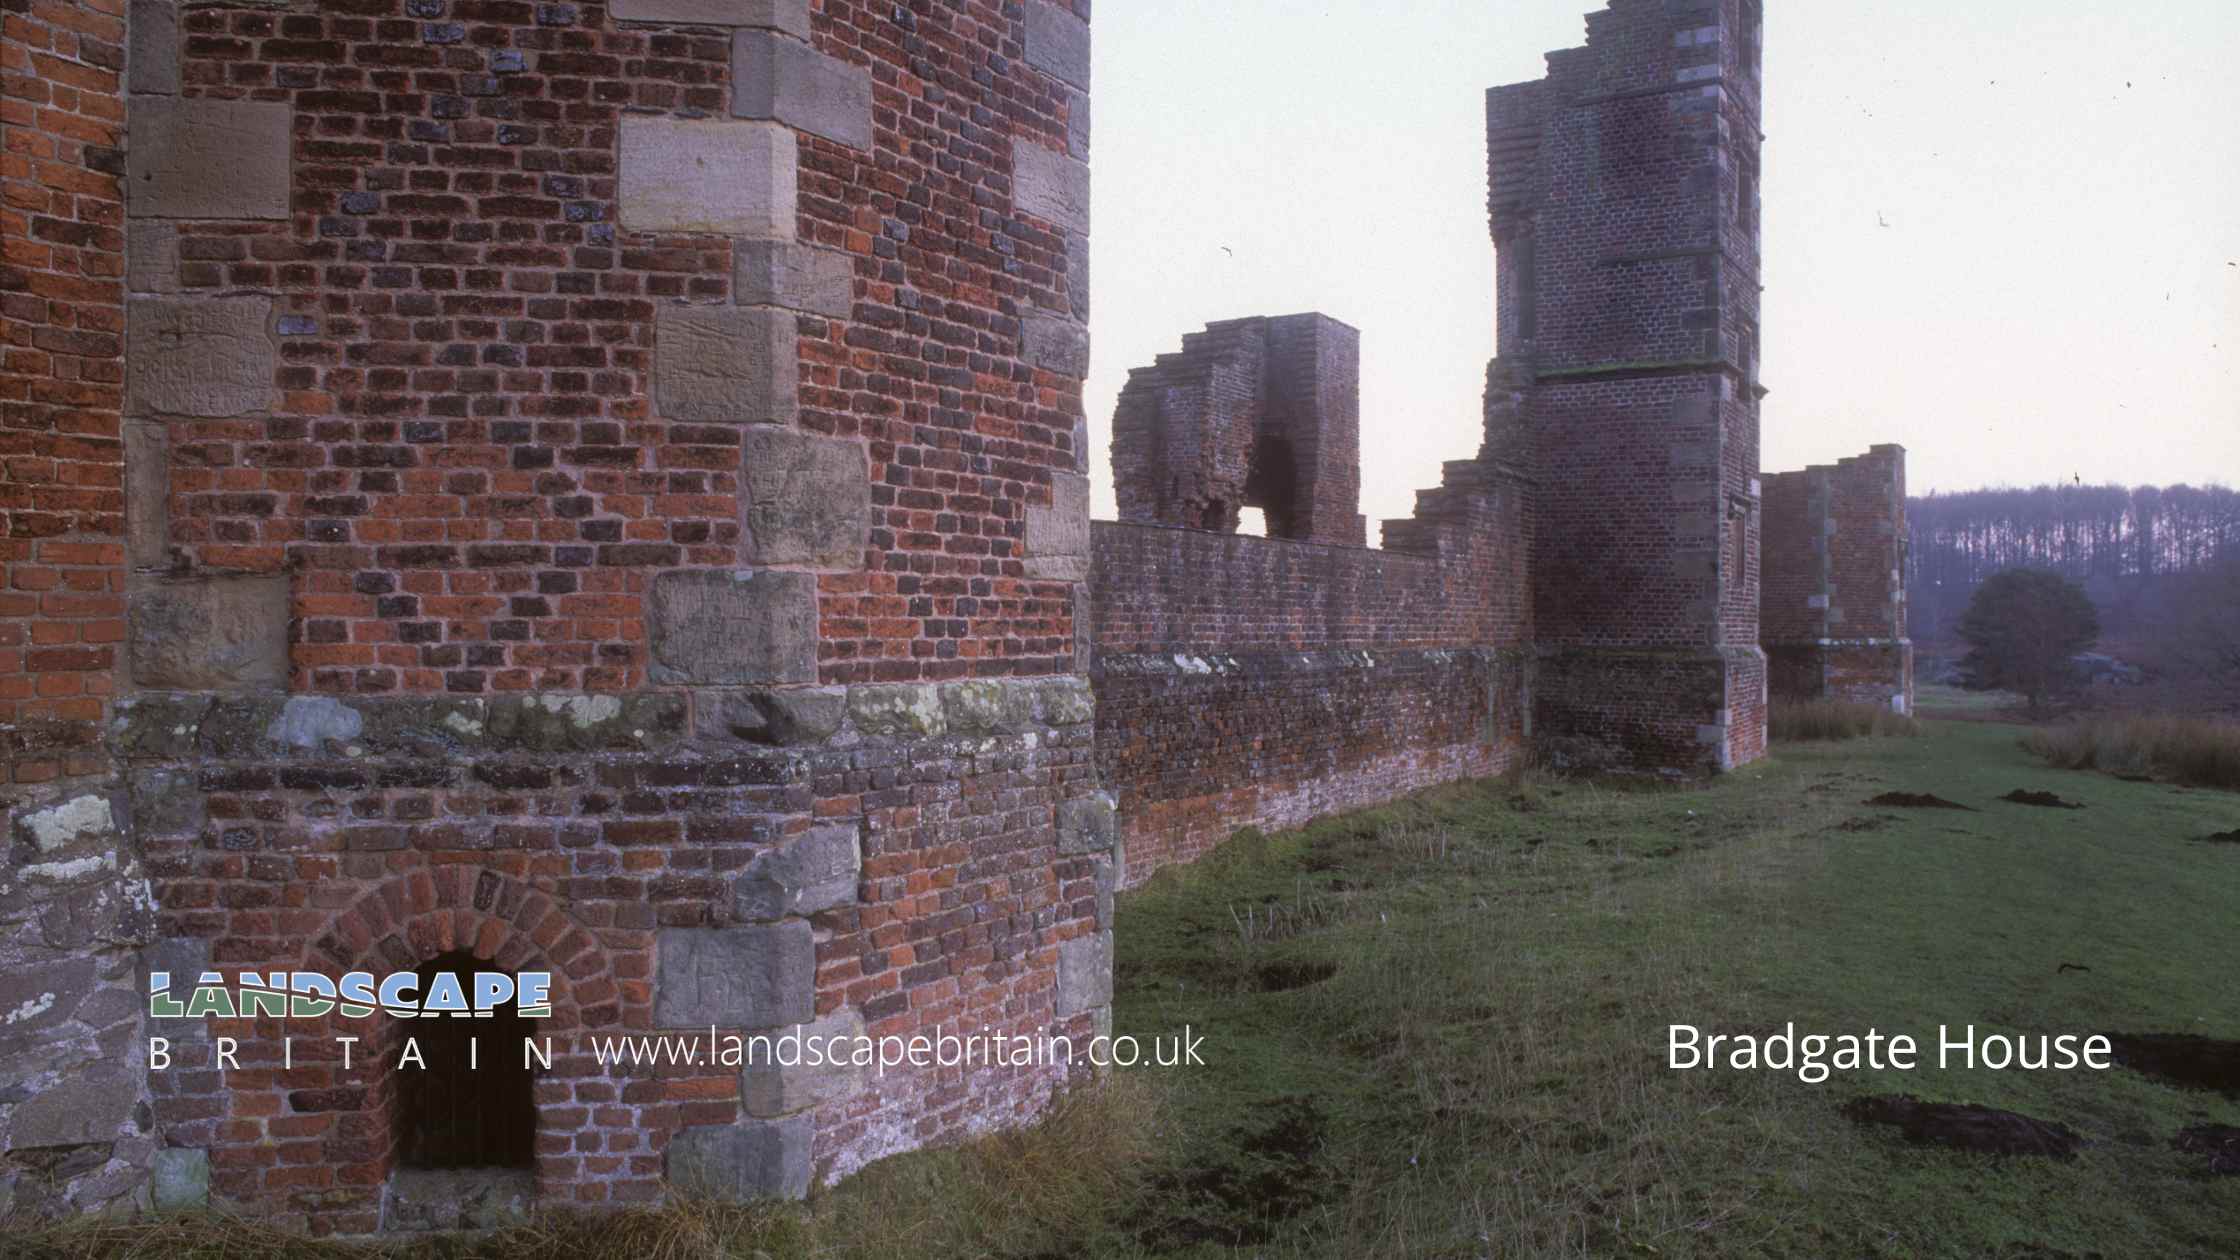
606 493
1835 595
1261 682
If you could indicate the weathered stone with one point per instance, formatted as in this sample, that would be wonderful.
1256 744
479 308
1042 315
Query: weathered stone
153 30
179 1179
439 726
311 722
1050 185
1077 124
1067 701
1084 973
795 276
90 1106
151 255
1058 42
37 996
167 803
211 634
753 1159
790 16
982 707
714 627
806 499
904 710
788 81
208 357
428 1199
207 158
1088 824
811 873
725 365
768 1088
788 717
701 175
157 726
1057 536
1112 873
1056 343
755 976
86 820
147 496
583 723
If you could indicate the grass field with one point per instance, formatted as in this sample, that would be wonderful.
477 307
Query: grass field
1437 1030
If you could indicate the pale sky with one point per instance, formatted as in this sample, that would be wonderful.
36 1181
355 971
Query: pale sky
2053 296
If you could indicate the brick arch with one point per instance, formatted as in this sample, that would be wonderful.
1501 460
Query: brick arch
420 914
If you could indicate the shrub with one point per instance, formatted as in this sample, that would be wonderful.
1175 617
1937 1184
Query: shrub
1836 719
2194 751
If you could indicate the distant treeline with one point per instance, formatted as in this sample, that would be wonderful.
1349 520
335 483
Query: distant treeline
2119 542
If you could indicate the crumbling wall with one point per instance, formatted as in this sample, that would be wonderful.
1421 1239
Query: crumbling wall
1835 593
1262 412
553 481
1263 682
1623 200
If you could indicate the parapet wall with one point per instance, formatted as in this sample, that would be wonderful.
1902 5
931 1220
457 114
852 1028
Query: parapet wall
1261 682
1835 593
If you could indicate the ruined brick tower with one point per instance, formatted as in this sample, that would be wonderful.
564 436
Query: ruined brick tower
590 488
1835 586
1261 412
1624 205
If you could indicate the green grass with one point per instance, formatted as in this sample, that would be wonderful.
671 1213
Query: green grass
1480 1074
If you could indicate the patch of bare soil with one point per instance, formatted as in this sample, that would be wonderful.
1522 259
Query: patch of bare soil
2223 837
1855 825
2043 800
1966 1127
2220 1142
1283 977
1236 1202
2181 1059
1915 800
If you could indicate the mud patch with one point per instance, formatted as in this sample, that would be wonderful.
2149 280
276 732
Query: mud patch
2220 1142
1965 1127
2043 800
2222 837
1857 825
1270 1177
2181 1059
1915 800
1283 977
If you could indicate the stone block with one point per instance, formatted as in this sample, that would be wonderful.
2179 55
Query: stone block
806 499
795 276
1058 42
800 877
154 47
1084 973
1051 186
313 723
981 707
91 1106
752 1159
790 16
787 81
808 874
713 627
757 976
39 996
567 722
179 1179
207 158
425 1199
1088 824
705 175
151 255
1112 873
157 727
785 718
1056 343
900 710
147 496
725 365
1057 536
167 803
769 1088
1065 701
207 357
211 634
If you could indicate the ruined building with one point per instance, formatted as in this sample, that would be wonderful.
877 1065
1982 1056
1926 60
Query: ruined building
575 487
1835 587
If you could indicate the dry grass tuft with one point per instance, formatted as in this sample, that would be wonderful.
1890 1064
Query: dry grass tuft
2197 752
1836 719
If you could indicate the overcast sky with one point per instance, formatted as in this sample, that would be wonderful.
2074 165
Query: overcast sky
2053 296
